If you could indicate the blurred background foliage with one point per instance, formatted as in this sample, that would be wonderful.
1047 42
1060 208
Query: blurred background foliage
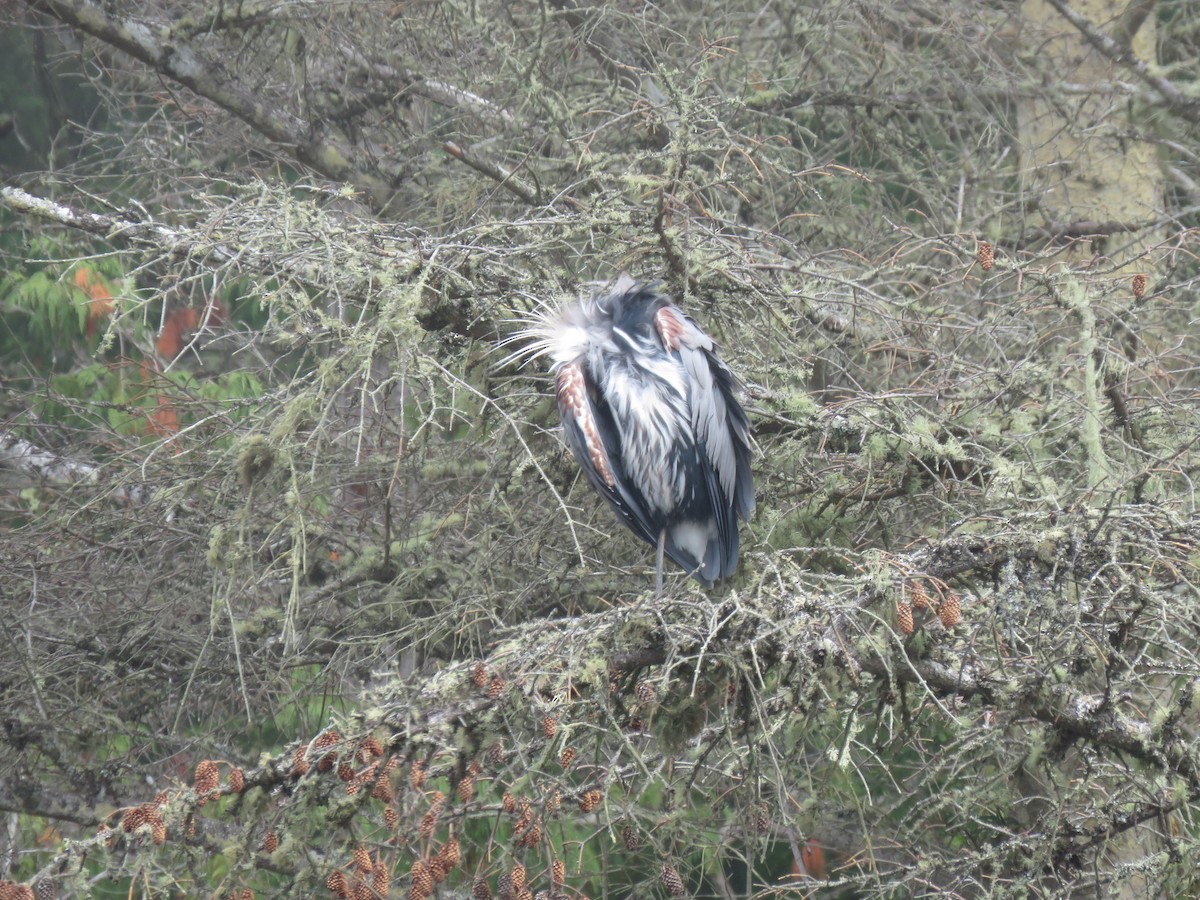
303 597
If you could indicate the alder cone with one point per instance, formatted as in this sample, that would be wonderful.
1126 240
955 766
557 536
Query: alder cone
495 754
422 880
918 596
986 255
630 839
950 612
336 882
380 878
590 800
450 853
362 860
671 880
135 817
207 778
300 761
645 692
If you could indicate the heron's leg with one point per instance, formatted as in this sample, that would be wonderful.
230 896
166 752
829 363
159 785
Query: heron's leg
658 563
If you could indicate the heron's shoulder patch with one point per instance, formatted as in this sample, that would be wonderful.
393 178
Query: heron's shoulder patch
575 407
671 327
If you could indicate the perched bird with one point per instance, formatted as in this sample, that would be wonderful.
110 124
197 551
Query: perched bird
651 414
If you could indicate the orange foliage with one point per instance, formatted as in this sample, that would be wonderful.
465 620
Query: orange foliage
100 298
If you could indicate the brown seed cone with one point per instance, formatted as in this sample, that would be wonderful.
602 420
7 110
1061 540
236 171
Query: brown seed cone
428 824
352 787
345 771
327 739
418 774
207 778
566 757
590 800
495 754
504 887
362 861
450 853
161 798
518 876
133 819
549 726
438 869
390 817
525 894
629 837
904 618
466 788
370 749
950 612
508 803
1139 286
645 692
326 762
300 761
533 835
479 675
380 878
336 882
495 687
918 596
382 789
158 831
422 880
762 818
558 873
360 891
45 890
237 780
480 890
554 801
270 842
436 801
247 894
671 880
986 255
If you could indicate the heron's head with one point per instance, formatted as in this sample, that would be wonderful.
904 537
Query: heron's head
568 332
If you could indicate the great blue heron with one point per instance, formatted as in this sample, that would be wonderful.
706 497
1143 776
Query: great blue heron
651 414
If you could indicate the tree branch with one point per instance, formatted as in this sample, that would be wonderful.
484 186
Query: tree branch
1121 53
182 63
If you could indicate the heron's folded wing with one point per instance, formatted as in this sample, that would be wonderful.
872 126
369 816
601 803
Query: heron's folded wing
591 436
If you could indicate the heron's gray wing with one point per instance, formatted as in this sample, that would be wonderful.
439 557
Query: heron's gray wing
719 422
